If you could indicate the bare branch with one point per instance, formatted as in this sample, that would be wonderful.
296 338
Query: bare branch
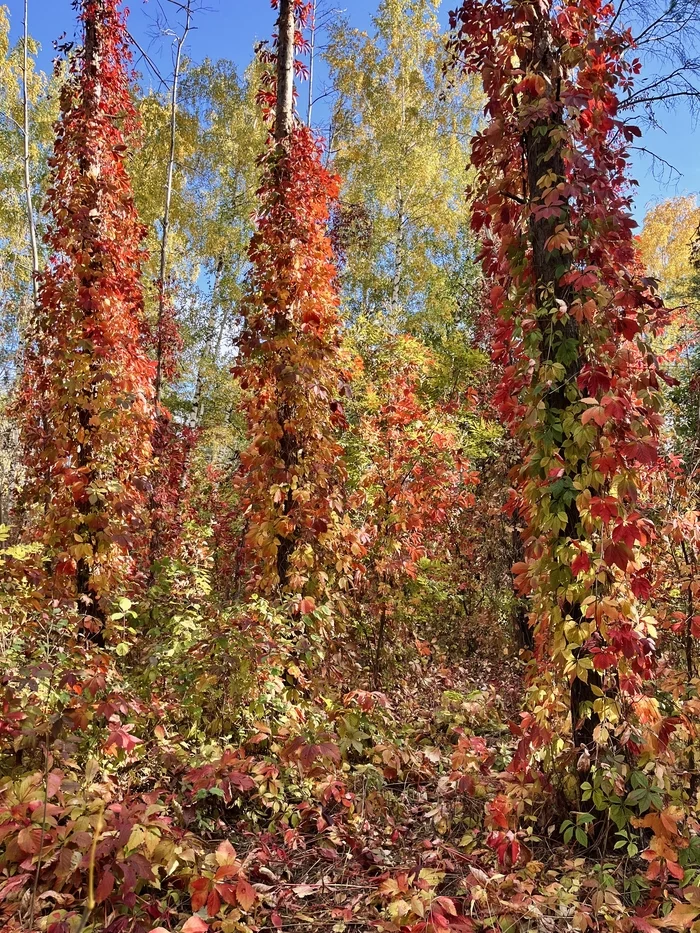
658 159
666 39
149 61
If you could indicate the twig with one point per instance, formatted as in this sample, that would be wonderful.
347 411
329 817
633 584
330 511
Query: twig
90 903
149 61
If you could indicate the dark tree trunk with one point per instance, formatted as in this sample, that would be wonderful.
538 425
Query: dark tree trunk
541 157
88 599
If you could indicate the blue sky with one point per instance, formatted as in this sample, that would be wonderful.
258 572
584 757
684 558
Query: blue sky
230 29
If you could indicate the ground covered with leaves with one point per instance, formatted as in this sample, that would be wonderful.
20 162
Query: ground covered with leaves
223 776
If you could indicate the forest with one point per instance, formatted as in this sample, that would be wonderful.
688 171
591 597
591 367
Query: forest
350 472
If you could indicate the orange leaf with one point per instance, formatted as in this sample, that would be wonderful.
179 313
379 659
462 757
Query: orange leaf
245 895
195 925
680 918
225 854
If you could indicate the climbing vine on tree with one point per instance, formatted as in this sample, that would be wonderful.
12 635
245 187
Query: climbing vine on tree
291 366
580 382
85 400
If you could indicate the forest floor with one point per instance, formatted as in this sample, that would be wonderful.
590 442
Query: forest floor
387 828
333 810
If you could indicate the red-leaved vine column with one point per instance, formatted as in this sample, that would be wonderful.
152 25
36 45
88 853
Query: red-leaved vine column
290 367
580 384
86 396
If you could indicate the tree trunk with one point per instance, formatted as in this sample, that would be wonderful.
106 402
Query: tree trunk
91 167
164 243
284 122
399 249
27 158
284 117
312 62
540 157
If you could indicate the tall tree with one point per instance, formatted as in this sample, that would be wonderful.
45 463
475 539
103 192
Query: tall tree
580 383
163 323
85 400
224 178
666 246
668 250
26 155
399 138
27 113
220 133
290 361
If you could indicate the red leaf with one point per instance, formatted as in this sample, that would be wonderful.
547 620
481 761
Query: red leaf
29 840
213 904
122 738
105 887
227 893
618 554
225 854
643 925
199 889
597 414
581 563
605 509
641 587
53 784
12 884
241 781
447 905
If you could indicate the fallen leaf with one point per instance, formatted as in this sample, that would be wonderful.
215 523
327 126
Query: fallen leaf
303 890
195 925
245 895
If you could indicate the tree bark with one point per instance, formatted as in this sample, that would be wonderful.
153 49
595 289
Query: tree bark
284 116
540 156
399 249
91 169
284 122
312 62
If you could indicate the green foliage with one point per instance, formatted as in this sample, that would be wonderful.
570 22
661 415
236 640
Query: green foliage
400 130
